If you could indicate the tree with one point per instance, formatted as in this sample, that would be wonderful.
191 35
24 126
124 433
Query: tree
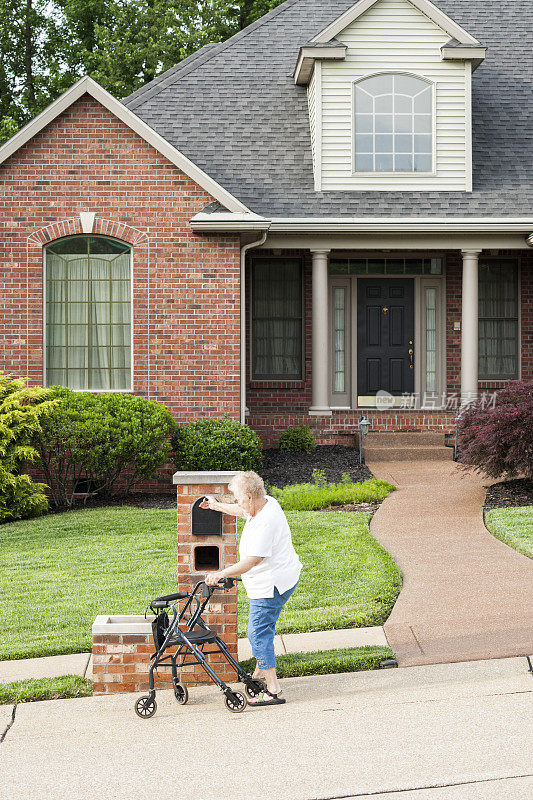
47 44
31 65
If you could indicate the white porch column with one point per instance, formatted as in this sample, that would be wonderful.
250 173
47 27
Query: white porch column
469 326
320 342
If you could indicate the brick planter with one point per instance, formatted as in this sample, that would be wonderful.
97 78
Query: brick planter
122 644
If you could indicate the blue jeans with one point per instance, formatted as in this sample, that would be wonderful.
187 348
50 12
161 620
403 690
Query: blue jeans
264 613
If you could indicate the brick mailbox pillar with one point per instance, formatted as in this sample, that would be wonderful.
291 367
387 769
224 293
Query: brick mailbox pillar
206 541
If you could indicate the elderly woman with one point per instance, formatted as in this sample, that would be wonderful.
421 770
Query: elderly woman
269 567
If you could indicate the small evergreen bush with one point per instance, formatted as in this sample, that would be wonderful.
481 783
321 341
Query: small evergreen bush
101 438
498 440
21 409
298 438
217 444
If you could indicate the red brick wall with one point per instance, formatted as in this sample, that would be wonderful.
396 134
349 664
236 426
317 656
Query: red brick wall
185 286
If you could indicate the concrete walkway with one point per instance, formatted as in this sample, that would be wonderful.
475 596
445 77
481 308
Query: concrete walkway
444 732
80 663
465 595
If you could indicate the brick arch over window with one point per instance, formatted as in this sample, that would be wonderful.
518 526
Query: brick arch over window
139 242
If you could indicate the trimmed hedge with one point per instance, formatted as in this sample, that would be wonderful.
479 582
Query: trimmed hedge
100 439
216 444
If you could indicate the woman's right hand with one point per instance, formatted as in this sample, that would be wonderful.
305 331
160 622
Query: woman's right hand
209 501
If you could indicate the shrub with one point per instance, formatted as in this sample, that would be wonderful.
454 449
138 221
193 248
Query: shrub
498 440
298 438
312 496
21 408
101 438
217 444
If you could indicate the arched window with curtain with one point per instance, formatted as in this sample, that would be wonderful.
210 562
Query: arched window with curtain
393 124
88 314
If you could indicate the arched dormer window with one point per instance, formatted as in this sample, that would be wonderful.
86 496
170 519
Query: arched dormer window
88 314
393 124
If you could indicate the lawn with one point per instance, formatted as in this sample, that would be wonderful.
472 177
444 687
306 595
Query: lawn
514 526
348 579
58 572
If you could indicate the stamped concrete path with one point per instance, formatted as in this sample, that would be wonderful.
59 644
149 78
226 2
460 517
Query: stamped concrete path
465 594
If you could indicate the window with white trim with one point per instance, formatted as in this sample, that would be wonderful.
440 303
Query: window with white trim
393 124
88 314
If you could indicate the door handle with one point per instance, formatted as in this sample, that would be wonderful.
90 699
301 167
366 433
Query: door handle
411 351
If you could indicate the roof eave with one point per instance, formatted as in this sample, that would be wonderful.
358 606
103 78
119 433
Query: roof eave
220 222
307 57
475 54
332 225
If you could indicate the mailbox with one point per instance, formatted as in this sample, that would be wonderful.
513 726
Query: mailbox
205 521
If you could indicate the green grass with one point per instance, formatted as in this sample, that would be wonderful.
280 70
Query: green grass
58 572
310 496
514 526
29 690
327 662
348 579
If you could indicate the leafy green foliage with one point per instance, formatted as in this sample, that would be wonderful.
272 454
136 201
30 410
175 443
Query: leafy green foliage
21 410
47 45
327 662
514 526
497 440
32 689
101 438
298 438
211 444
311 496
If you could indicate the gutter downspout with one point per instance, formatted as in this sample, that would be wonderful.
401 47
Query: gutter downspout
244 250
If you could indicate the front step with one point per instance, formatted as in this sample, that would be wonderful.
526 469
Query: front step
394 438
406 446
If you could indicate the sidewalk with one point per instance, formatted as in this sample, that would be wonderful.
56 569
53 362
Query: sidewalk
440 732
465 594
80 663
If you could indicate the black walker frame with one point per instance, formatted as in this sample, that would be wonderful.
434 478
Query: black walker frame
190 644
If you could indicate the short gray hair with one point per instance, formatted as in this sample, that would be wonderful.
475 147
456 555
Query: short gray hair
247 483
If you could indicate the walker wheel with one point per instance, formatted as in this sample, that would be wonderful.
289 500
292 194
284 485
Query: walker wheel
181 693
255 689
235 702
145 707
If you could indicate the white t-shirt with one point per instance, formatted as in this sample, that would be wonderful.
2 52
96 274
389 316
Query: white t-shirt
267 534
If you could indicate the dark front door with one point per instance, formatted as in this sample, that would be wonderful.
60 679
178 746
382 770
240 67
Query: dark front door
385 334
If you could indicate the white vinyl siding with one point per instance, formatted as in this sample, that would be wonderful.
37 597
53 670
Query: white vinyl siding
393 36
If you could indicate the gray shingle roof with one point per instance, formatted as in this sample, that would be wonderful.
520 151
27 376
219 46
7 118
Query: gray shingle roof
234 110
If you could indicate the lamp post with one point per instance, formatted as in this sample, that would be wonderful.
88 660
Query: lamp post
364 427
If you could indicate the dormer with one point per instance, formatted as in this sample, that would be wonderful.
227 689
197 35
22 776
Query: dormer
389 95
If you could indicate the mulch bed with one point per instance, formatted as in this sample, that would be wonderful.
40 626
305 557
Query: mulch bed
281 469
517 492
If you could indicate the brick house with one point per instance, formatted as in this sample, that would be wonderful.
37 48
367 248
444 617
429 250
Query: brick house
329 214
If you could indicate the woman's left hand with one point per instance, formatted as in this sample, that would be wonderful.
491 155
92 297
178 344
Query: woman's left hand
212 578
